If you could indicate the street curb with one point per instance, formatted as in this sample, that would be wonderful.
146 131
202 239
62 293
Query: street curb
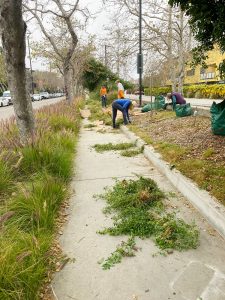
210 209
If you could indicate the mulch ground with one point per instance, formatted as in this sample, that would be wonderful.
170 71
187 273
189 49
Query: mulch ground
192 132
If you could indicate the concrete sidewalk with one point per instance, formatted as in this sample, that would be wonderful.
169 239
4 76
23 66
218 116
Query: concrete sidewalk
191 275
204 102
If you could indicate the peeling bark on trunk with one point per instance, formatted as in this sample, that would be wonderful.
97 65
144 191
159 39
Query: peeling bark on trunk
13 39
68 82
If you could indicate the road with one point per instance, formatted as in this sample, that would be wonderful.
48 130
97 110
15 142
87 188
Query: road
8 111
192 101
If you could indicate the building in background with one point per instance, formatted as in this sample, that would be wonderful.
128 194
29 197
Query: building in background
211 74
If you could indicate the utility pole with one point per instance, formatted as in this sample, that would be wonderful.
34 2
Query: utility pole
140 55
106 62
31 71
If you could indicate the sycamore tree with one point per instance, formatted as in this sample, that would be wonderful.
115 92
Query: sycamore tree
165 32
78 62
57 22
13 30
207 23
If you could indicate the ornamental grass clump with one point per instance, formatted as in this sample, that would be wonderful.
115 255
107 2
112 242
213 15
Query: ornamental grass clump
34 183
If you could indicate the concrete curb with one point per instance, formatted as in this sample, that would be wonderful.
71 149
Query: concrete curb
213 211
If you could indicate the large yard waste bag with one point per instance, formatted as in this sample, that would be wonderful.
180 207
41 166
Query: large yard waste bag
159 102
218 118
148 107
183 110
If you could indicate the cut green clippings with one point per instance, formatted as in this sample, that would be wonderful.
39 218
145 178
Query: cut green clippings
131 152
125 249
138 210
173 233
89 125
109 147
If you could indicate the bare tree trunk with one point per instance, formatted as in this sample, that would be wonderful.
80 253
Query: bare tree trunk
13 39
68 82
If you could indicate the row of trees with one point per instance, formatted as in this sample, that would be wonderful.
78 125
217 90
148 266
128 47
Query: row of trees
56 19
174 33
167 37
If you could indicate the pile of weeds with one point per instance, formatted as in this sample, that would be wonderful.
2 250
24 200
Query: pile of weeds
128 149
112 147
132 152
34 182
138 210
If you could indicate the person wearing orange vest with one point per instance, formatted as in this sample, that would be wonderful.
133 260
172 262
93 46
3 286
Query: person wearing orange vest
120 89
103 94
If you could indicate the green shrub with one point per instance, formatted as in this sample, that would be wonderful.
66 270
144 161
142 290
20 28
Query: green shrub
212 91
158 91
111 97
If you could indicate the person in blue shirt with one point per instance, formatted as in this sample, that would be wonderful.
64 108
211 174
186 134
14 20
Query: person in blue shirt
123 105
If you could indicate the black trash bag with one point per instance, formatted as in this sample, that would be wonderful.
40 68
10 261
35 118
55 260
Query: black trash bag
218 118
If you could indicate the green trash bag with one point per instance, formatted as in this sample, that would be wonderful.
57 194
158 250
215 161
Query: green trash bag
148 107
183 110
159 102
218 118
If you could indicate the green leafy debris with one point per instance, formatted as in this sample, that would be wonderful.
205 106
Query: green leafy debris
138 210
109 147
125 249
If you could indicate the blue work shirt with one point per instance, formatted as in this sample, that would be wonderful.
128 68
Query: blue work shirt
125 103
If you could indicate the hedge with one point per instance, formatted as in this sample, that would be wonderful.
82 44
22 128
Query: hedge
213 91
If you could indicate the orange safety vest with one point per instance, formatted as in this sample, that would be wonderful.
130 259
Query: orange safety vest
120 94
103 91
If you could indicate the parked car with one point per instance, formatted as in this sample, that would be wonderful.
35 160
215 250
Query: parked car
3 102
7 98
138 93
44 95
36 97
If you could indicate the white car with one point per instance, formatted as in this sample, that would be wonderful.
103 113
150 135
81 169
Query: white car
4 102
7 98
37 97
44 95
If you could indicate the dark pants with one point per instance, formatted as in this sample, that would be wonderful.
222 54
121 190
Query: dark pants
115 107
104 101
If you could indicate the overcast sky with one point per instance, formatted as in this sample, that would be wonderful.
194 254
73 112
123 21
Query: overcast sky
95 26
